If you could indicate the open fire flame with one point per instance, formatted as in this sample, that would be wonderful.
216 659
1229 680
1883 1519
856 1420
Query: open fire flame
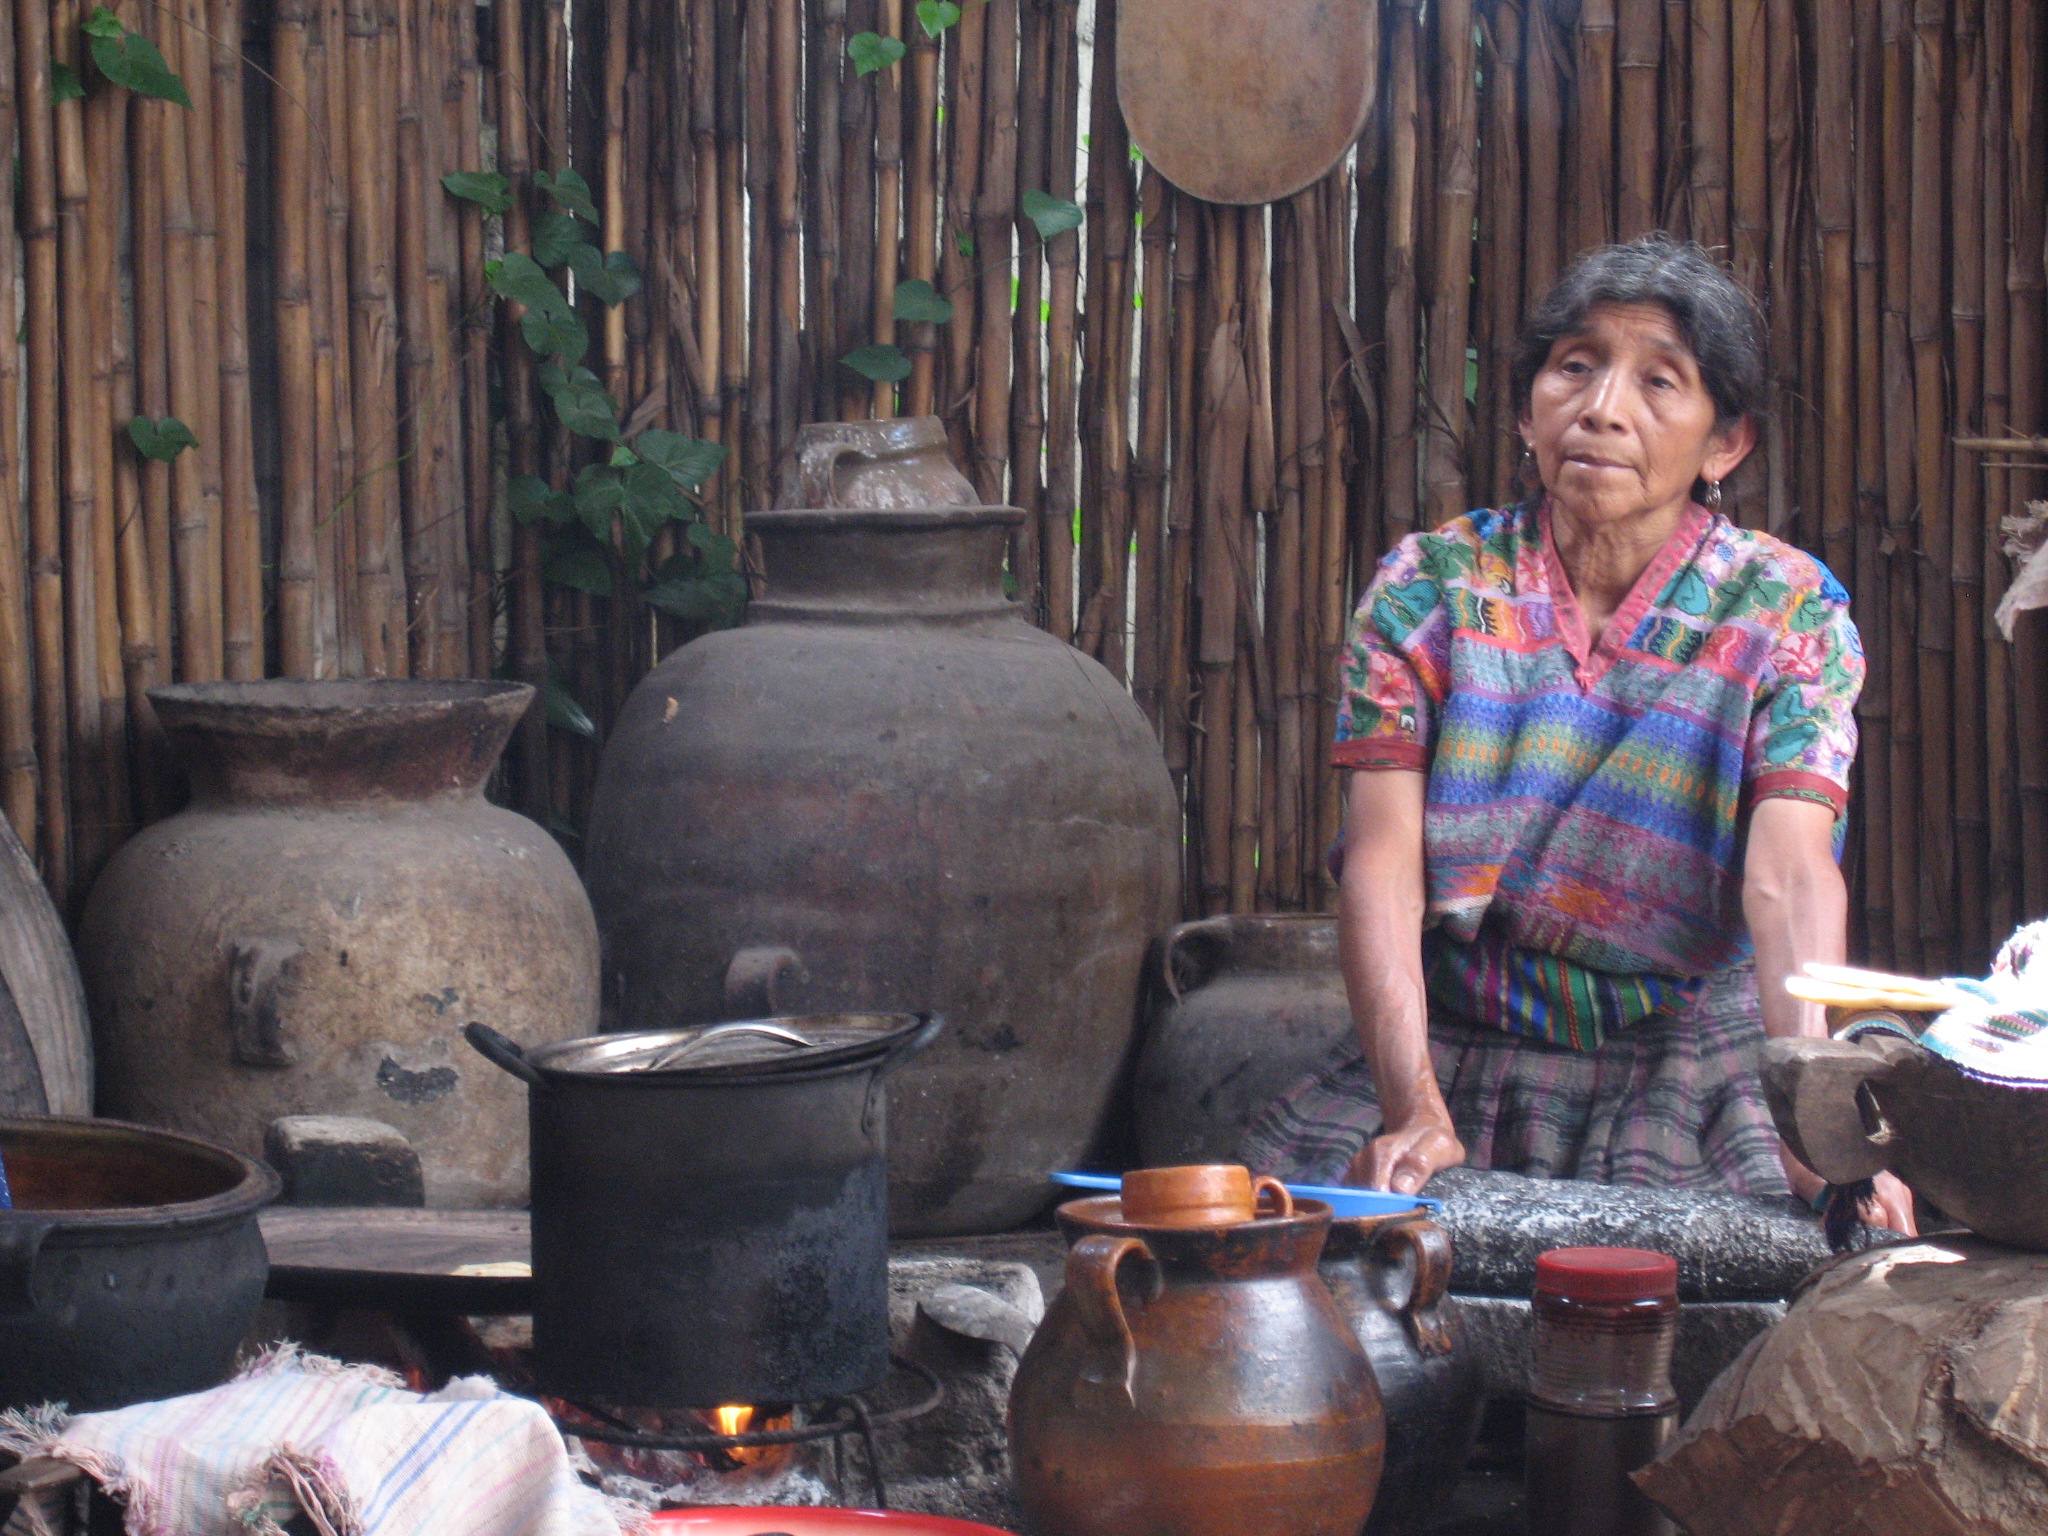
738 1419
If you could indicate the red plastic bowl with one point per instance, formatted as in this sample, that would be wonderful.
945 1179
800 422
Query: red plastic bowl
753 1521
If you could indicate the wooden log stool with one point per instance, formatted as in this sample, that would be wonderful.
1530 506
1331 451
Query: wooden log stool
1905 1394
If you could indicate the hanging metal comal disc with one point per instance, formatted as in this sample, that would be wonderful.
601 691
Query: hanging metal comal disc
1241 102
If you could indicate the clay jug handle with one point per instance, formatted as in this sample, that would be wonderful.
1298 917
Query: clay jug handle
1092 1266
817 471
258 971
1429 1260
753 981
1193 947
1283 1200
1814 1088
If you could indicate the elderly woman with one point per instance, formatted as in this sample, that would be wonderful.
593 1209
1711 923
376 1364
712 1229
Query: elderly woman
1600 746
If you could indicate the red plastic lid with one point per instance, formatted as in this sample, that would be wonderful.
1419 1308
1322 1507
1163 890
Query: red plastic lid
1607 1274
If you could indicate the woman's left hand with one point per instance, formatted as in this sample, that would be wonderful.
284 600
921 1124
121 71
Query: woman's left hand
1890 1205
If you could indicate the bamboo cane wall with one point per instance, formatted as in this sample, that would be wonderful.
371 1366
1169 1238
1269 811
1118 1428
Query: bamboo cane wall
1217 418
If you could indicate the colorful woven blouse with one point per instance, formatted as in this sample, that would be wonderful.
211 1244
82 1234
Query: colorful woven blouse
1585 810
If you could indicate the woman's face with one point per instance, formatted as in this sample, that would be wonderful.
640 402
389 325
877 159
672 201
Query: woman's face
1620 421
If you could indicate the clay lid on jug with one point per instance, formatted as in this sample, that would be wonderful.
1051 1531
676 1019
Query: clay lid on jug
1201 1195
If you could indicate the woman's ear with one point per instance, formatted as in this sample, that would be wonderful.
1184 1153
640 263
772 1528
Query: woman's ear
1727 448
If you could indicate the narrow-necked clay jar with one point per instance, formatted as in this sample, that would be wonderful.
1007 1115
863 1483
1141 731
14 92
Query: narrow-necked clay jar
1195 1380
888 465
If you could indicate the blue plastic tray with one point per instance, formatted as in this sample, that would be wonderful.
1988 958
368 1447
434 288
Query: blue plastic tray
1342 1202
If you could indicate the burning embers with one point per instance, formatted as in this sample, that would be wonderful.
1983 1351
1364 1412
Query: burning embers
741 1420
697 1468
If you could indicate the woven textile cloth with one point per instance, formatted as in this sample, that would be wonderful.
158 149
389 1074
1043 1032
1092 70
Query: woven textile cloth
347 1445
1585 808
1674 1102
2001 1034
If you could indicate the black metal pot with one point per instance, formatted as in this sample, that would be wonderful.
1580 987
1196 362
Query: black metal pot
130 1266
706 1234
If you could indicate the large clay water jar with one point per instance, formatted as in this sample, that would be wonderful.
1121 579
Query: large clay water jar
887 793
1388 1275
1245 1007
310 933
1194 1381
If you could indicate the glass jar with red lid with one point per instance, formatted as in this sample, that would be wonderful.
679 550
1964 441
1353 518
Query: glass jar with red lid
1601 1403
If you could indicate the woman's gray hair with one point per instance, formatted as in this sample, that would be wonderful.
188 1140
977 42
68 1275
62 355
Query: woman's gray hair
1716 317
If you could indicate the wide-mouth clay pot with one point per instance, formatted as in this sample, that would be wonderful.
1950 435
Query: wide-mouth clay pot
130 1266
1977 1149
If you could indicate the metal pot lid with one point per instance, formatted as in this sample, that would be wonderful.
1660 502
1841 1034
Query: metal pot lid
744 1048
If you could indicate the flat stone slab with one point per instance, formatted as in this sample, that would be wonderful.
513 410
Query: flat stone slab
1728 1247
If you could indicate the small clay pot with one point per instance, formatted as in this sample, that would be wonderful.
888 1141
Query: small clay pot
1198 1381
1201 1195
882 465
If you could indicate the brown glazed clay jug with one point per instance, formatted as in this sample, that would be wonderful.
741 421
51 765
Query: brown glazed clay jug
1388 1275
1194 1382
898 463
888 792
1245 1007
310 933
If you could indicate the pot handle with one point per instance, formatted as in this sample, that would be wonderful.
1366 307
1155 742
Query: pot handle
258 969
21 1240
753 980
817 468
1092 1265
1204 933
928 1029
501 1052
1429 1259
1283 1198
1814 1090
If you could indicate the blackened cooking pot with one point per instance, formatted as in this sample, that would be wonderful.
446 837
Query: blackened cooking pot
705 1234
130 1266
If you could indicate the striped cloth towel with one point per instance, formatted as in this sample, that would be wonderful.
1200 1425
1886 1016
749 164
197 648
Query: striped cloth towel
348 1446
2001 1034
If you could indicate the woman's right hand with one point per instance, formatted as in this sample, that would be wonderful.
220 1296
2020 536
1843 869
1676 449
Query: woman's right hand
1404 1160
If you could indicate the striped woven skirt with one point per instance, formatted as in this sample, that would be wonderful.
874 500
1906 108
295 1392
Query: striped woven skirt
1672 1101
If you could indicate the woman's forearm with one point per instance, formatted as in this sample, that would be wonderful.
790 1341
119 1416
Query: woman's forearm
1380 937
1796 905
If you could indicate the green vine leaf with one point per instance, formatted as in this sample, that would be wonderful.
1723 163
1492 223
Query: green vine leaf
688 461
937 15
556 238
611 278
65 84
1050 214
162 440
871 51
580 401
881 362
565 714
488 189
569 192
130 59
556 335
581 565
532 501
707 599
599 493
917 299
519 278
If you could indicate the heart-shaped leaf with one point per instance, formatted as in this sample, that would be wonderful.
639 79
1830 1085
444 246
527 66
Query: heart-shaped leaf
519 278
564 713
554 335
532 501
580 401
581 565
871 51
569 192
163 440
611 279
881 362
486 188
556 238
130 59
688 461
65 84
937 15
600 491
1050 214
917 299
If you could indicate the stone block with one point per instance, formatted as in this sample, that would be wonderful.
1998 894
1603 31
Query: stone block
341 1160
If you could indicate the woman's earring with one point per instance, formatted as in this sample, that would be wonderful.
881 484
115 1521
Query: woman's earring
1713 495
